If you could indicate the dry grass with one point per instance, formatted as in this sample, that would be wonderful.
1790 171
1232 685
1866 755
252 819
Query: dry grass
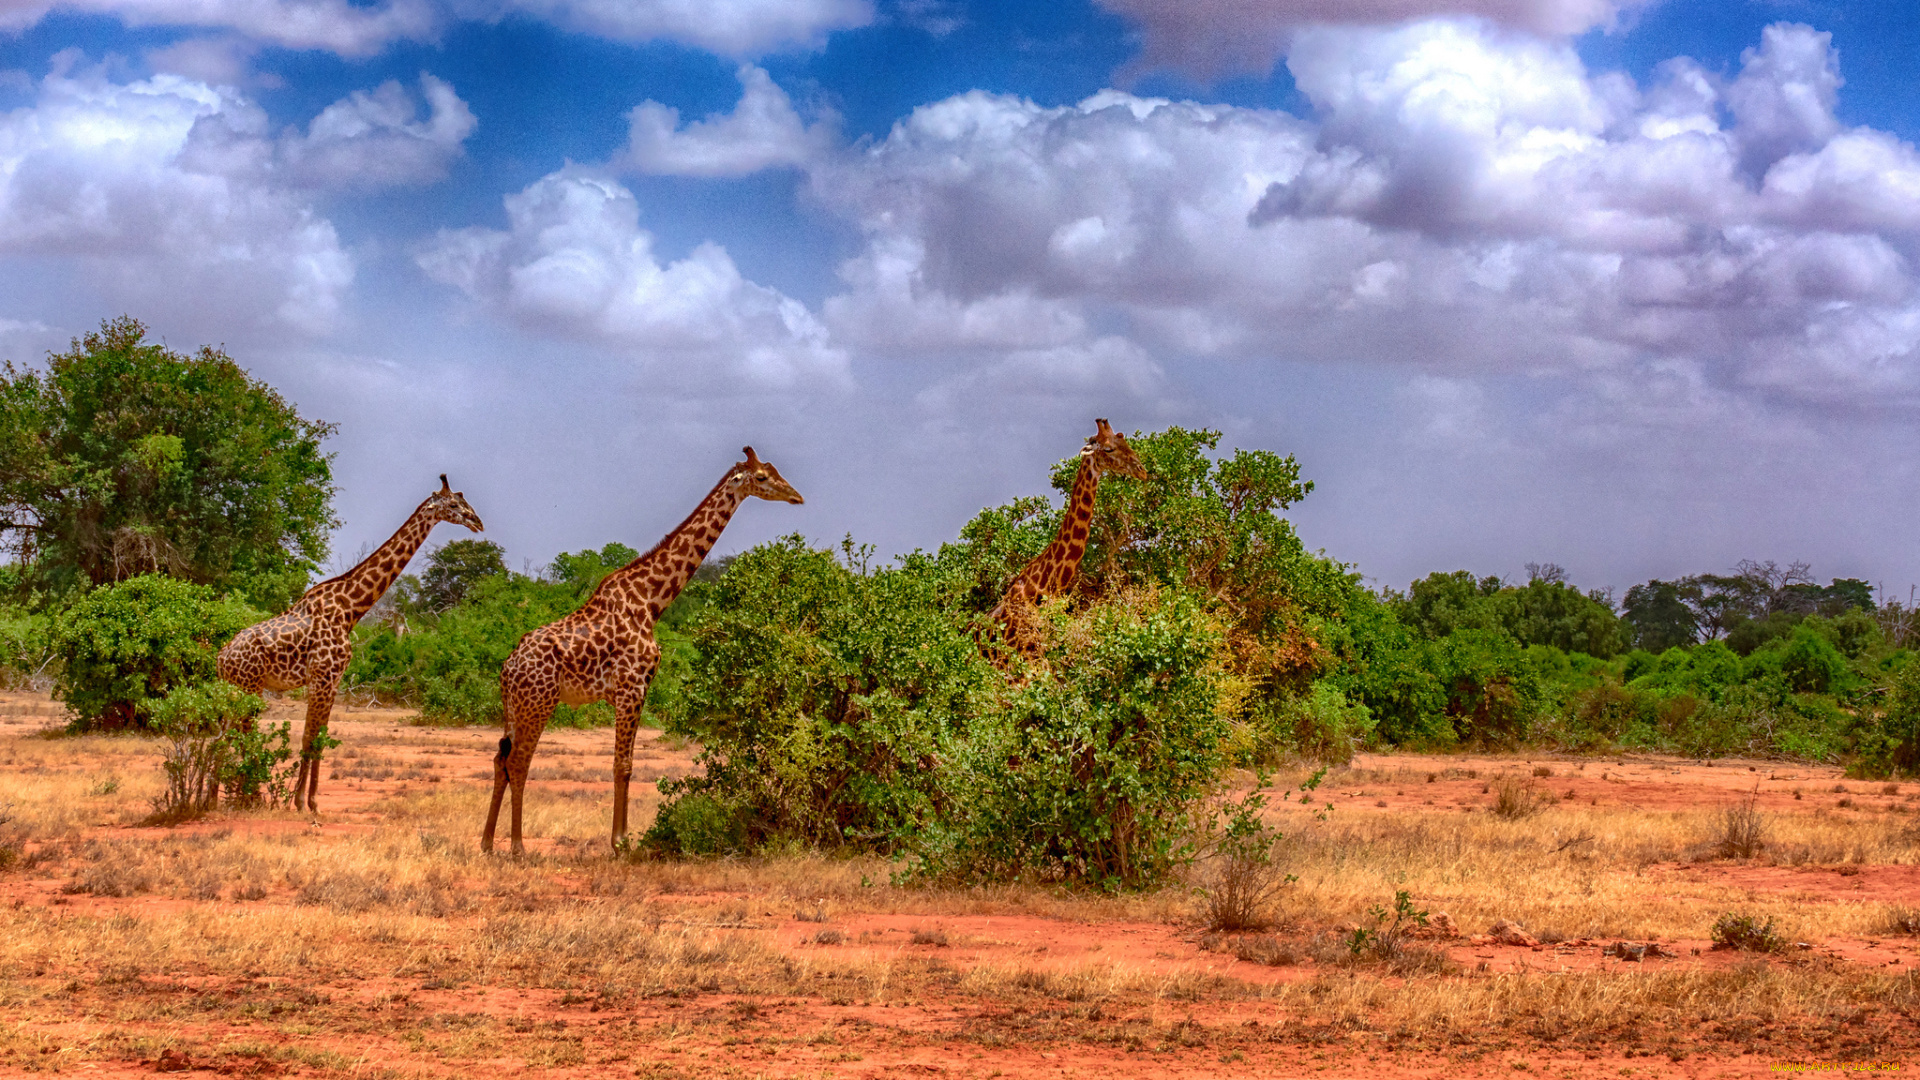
1740 829
275 928
1515 799
1479 868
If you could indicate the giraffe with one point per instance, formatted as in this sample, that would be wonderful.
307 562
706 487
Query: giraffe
605 651
1052 572
309 644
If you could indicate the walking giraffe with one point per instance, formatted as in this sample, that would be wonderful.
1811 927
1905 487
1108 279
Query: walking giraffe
310 643
1053 571
605 651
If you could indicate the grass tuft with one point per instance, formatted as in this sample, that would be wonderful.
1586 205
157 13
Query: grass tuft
1741 829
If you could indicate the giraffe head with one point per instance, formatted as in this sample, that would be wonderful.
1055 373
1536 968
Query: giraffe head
450 505
761 479
1109 453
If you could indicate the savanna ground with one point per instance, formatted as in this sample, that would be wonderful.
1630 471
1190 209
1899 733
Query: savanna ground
375 939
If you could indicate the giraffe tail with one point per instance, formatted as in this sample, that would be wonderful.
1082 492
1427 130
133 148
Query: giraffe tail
506 748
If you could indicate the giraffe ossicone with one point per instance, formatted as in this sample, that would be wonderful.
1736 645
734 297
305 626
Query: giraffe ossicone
1054 570
310 643
606 650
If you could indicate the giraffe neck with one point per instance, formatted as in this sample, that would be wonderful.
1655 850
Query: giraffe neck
1059 564
364 585
650 582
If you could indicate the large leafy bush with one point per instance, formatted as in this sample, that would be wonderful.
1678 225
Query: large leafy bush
1093 767
123 647
820 697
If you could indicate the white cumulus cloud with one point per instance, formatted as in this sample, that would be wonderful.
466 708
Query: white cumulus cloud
1468 198
97 176
377 139
994 222
337 26
575 263
763 131
740 28
727 27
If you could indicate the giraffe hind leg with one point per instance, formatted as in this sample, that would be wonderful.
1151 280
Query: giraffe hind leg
499 789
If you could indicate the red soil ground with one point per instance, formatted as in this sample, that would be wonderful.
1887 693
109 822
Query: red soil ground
943 1037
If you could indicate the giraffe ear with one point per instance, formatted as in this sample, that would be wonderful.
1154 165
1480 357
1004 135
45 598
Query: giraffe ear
444 486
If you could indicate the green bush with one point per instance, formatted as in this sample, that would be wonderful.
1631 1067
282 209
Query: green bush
124 646
819 696
26 656
1323 725
214 745
1092 768
1891 745
1747 933
1810 663
840 708
1493 694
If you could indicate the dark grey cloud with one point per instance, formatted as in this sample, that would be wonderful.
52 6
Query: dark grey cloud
1211 38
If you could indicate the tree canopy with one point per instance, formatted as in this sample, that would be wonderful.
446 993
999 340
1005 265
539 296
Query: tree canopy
1544 611
125 458
454 569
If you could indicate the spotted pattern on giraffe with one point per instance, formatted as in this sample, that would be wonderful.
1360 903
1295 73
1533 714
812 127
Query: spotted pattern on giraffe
310 643
606 650
1057 567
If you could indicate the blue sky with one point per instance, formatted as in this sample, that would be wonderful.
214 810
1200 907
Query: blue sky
1627 286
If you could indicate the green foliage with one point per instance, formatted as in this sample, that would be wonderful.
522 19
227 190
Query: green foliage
25 647
1545 611
124 646
1387 667
455 568
124 458
1441 603
1389 930
1810 663
1324 724
1660 616
1891 747
1747 933
215 746
1706 671
819 696
1092 769
1492 692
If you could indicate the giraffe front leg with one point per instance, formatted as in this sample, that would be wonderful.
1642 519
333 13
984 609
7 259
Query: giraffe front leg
626 724
320 690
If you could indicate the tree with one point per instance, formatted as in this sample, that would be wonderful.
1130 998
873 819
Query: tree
1441 603
1545 611
1548 611
124 458
1661 614
454 569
